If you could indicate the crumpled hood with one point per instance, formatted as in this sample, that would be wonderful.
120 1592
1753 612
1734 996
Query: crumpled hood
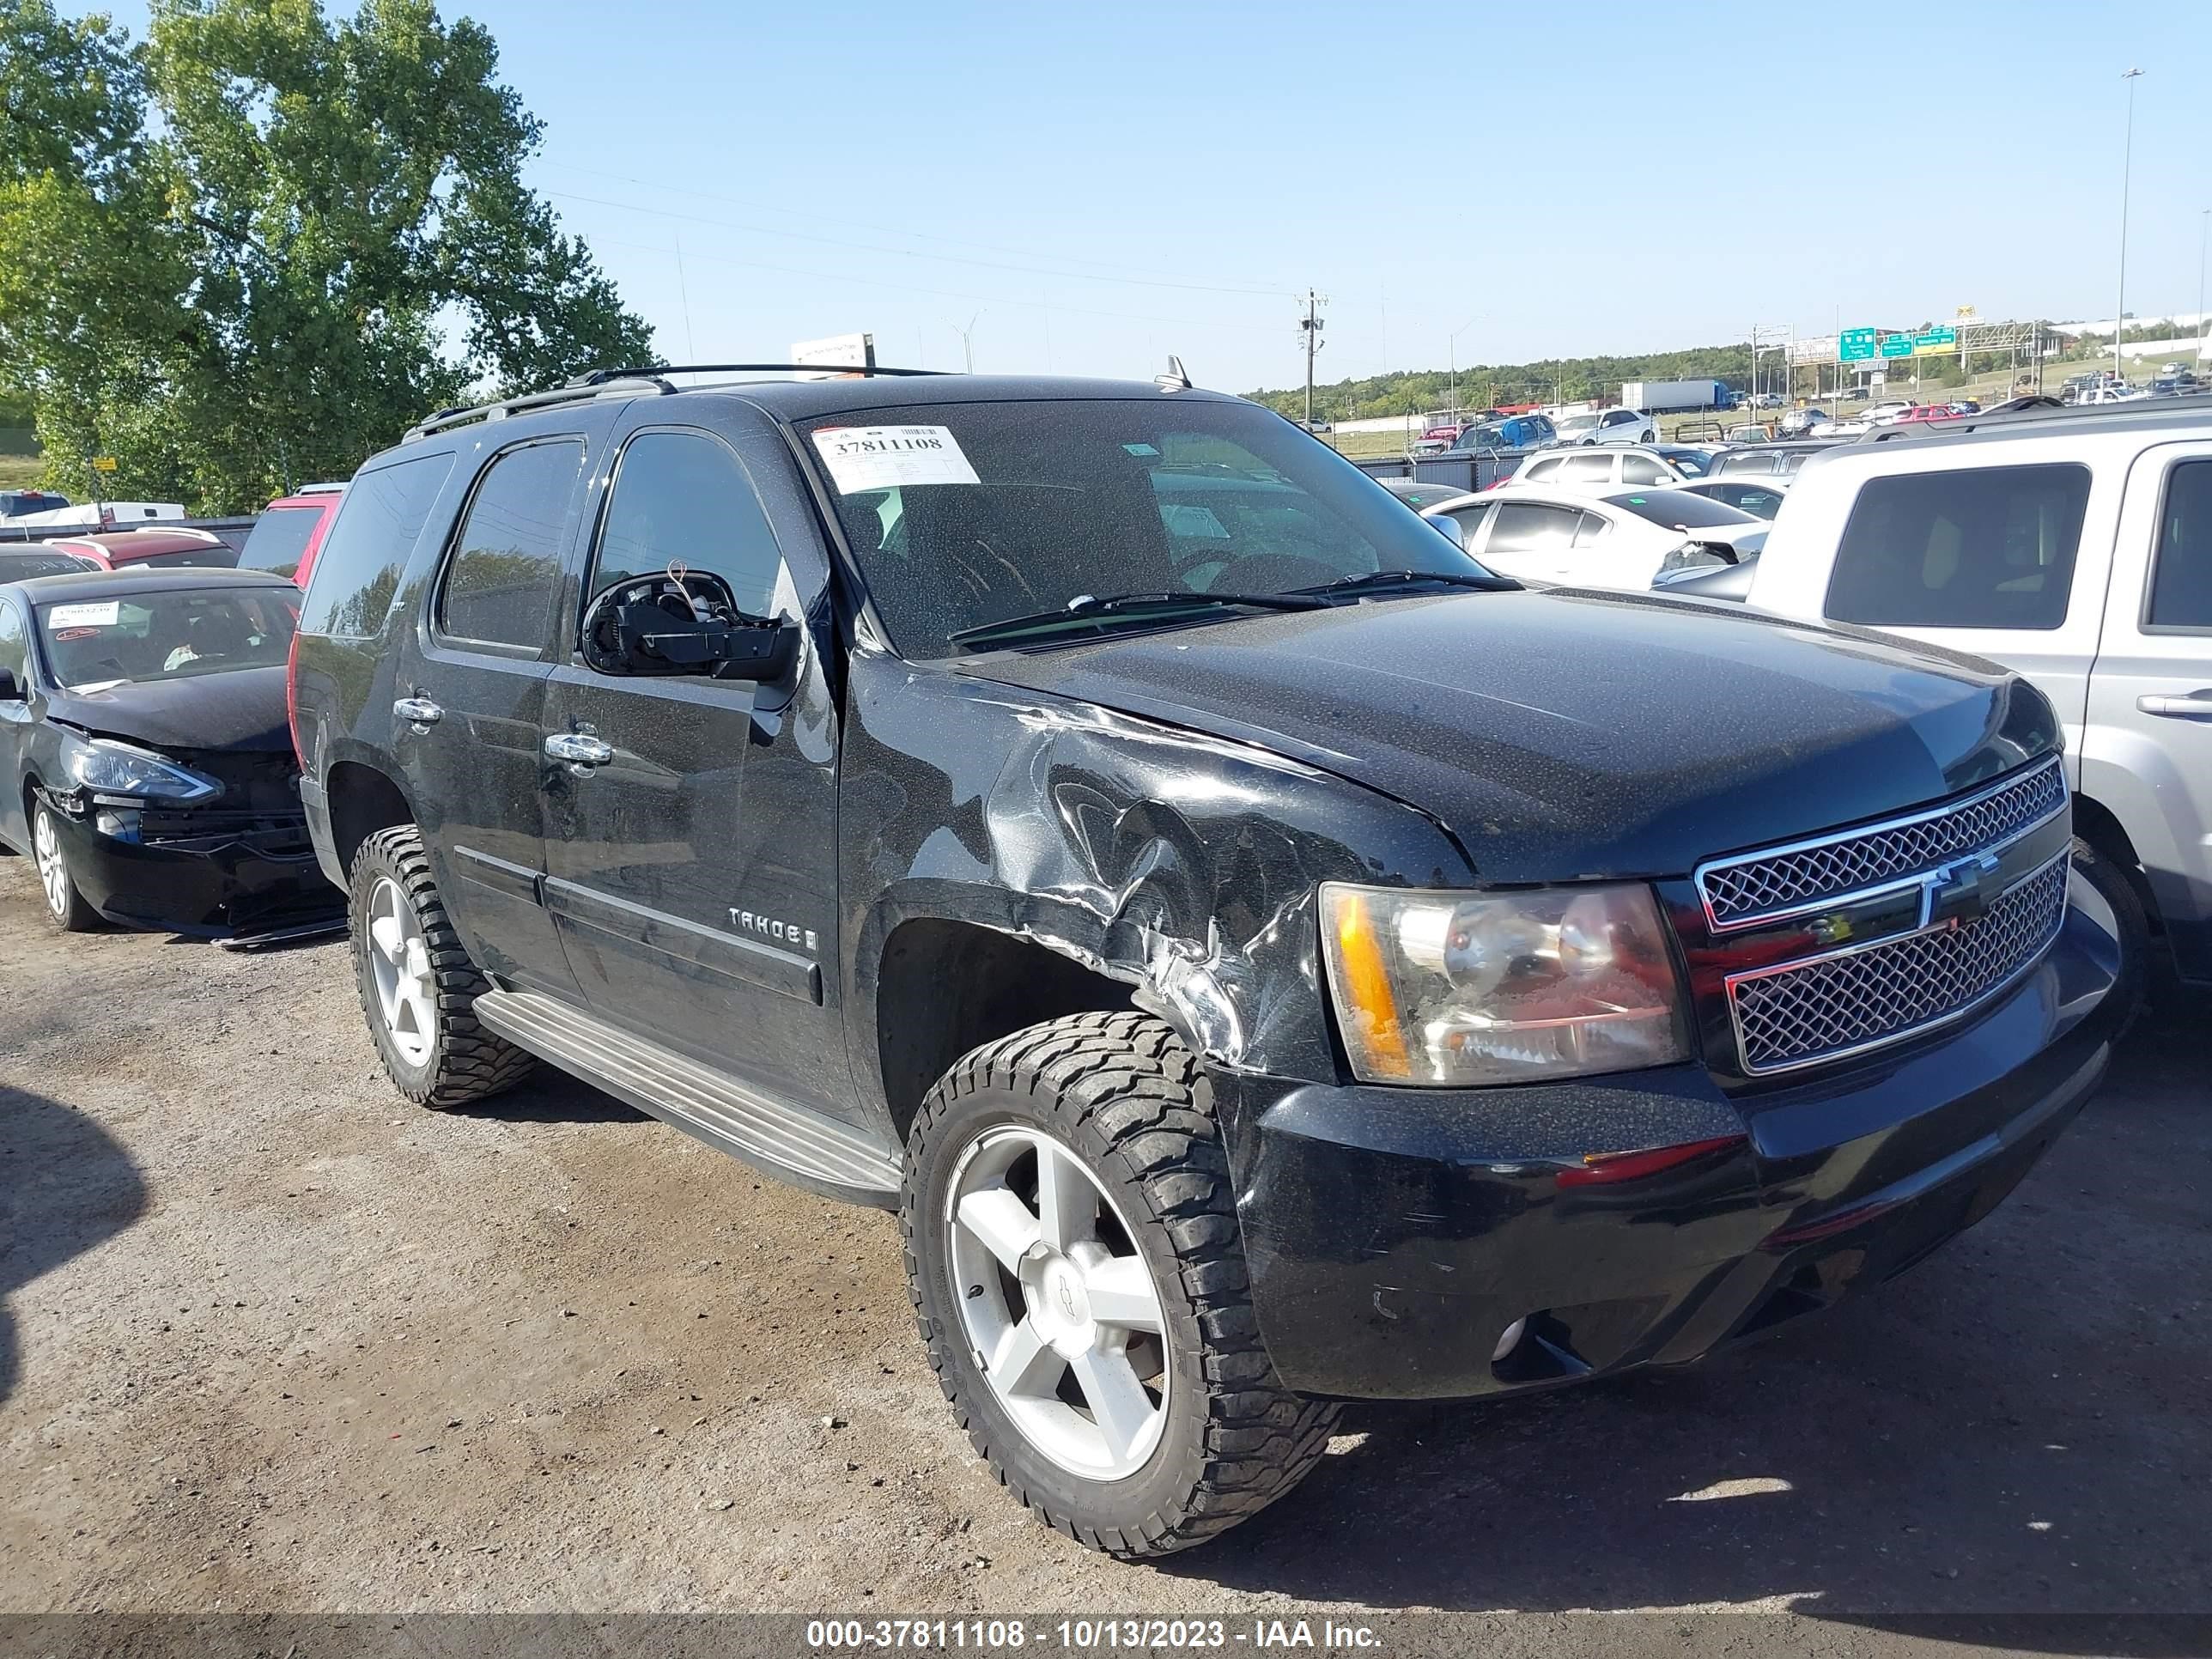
242 709
1570 733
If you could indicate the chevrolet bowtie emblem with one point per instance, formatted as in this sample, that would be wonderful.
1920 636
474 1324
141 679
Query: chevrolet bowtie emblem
1961 892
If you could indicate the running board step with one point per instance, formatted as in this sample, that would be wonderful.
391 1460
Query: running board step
774 1135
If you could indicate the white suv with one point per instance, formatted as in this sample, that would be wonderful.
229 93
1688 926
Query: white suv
1609 426
2076 548
1612 467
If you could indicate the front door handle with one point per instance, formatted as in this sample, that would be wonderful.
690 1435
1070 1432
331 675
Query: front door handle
2195 708
419 712
579 752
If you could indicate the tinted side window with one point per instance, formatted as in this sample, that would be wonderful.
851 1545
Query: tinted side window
1543 469
358 570
1984 547
681 497
1590 530
280 537
1588 468
12 648
2181 583
1525 527
506 562
1642 469
1470 519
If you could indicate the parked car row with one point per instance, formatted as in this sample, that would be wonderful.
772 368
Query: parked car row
1097 822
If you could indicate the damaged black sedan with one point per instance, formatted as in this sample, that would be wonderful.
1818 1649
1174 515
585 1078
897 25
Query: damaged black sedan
146 754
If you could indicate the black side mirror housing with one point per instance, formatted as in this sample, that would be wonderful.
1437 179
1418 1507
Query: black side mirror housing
652 639
11 689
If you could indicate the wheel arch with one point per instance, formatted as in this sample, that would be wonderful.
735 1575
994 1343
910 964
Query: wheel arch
944 985
2099 825
363 800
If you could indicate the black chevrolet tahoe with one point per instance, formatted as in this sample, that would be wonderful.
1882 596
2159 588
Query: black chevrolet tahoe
1265 959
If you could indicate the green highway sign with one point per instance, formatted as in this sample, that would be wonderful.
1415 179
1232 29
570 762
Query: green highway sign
1897 345
1934 342
1854 345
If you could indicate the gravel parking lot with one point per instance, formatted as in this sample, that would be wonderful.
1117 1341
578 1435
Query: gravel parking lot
272 1340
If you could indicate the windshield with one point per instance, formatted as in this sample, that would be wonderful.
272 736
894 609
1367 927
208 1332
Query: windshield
22 566
1678 509
172 635
280 539
1574 425
965 515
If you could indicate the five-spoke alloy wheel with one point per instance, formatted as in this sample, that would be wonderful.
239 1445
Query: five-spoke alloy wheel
1079 1275
417 986
1058 1301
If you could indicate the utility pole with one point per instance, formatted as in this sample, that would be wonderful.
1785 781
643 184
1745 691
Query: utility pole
2204 220
1311 327
1451 358
2127 162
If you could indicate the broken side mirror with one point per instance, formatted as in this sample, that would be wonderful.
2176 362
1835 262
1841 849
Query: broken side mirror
687 623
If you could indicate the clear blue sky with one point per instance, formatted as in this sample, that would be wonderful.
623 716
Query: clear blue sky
1107 184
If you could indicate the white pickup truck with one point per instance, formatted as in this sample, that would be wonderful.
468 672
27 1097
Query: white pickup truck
2076 548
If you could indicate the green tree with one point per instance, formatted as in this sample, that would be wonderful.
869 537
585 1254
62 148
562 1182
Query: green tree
251 248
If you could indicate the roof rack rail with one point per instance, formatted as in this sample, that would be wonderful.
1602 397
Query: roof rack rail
631 383
2187 404
601 376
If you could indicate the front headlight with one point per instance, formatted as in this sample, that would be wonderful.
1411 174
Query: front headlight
1472 989
109 768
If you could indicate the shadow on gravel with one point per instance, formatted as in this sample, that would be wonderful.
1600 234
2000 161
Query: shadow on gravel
64 1187
550 1096
2012 1428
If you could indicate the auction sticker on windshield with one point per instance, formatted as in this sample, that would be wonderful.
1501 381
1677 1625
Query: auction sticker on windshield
886 457
101 614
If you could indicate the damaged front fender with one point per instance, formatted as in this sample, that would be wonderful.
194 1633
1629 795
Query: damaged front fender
1180 864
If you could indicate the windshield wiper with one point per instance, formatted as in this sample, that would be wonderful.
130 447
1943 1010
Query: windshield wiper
1085 606
1366 579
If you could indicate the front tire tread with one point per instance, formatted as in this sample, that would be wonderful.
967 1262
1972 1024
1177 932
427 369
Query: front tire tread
1129 1077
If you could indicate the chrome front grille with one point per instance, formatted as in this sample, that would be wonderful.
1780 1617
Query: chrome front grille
1750 888
1828 1006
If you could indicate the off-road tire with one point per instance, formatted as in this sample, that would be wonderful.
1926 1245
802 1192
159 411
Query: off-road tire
74 915
2116 885
466 1062
1123 1093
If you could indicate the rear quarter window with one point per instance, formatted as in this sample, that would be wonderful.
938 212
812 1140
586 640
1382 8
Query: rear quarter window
1974 547
358 571
280 539
2181 582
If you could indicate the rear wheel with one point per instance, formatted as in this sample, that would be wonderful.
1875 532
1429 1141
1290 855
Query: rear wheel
1080 1278
416 984
65 904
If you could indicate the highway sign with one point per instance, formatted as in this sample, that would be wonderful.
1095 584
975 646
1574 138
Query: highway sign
1897 345
103 464
1854 345
1934 342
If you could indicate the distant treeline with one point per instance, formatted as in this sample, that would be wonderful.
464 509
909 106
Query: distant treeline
1554 379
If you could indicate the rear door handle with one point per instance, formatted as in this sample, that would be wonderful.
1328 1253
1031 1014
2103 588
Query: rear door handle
2195 708
580 753
420 712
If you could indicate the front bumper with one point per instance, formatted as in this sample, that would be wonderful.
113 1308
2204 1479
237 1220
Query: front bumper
1394 1235
205 875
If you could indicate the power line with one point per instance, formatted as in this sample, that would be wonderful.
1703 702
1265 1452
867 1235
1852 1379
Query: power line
1251 285
906 253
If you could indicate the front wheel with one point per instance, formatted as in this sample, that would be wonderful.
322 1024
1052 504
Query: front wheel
416 983
2113 888
1078 1276
65 904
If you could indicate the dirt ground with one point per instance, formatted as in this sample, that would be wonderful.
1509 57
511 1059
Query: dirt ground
273 1340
